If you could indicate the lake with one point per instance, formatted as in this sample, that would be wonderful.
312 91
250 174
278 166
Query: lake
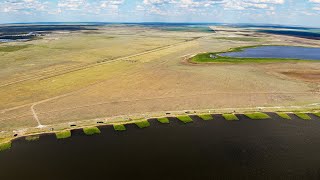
218 149
292 52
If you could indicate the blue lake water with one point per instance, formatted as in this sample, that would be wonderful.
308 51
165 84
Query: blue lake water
277 52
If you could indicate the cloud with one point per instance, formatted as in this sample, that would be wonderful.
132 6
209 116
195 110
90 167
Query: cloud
22 6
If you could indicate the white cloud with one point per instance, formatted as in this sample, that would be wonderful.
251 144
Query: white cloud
23 6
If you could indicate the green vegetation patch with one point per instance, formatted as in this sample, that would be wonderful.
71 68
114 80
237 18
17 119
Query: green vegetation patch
185 119
206 117
143 124
284 116
257 116
13 48
5 146
303 116
33 138
163 120
230 117
317 114
119 127
63 134
91 130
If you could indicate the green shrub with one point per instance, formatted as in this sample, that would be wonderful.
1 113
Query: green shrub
284 116
91 130
5 146
63 134
143 124
257 116
206 117
185 119
230 117
303 116
163 120
119 127
33 138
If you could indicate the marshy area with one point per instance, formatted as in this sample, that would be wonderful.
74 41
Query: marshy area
227 146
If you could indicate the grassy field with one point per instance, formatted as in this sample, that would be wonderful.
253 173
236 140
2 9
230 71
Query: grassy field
143 124
119 127
257 116
33 138
206 117
163 120
303 116
63 134
230 117
185 119
284 116
13 48
317 114
119 71
91 130
5 146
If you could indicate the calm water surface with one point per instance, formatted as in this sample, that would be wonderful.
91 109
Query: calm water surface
247 149
278 52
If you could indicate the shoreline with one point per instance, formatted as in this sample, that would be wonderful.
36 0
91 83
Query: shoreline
6 138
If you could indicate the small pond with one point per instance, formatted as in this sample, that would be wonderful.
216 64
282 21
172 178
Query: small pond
292 52
218 149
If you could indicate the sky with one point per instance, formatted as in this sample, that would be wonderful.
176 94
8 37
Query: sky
288 12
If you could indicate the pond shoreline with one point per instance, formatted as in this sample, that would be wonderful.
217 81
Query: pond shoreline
216 57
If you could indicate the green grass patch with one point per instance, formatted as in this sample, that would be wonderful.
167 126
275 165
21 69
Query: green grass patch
119 127
13 48
284 116
230 117
303 116
185 119
206 117
63 134
205 57
5 146
33 138
257 116
143 124
163 120
317 114
91 130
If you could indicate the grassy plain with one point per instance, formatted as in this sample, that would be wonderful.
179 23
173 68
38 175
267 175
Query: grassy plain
114 71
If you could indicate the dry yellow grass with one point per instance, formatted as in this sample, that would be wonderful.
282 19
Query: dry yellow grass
155 81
